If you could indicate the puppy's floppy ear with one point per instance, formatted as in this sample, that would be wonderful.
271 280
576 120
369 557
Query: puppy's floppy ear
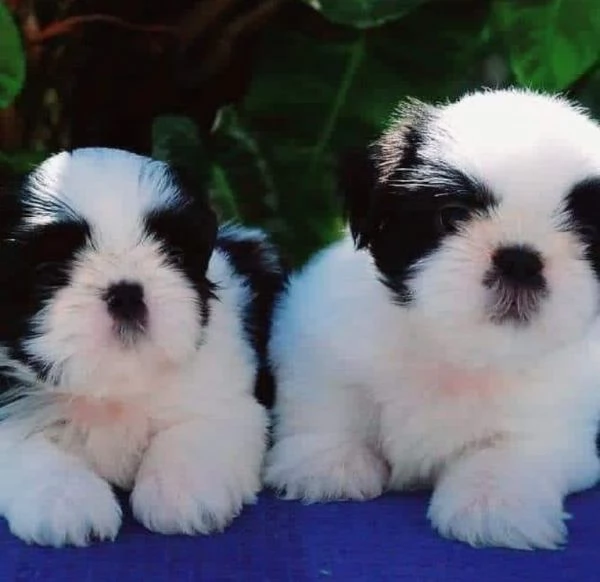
358 185
371 176
203 227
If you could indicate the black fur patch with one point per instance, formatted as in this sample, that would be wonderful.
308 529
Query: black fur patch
257 261
399 216
35 262
583 208
413 227
187 232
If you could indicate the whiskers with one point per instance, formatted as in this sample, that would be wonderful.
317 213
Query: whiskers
130 333
510 303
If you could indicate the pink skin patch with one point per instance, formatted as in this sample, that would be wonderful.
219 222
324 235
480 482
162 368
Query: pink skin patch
87 411
455 381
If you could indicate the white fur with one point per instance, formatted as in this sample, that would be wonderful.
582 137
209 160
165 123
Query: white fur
173 418
500 420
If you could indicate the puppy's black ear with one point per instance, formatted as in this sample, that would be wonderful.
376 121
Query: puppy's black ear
358 186
373 177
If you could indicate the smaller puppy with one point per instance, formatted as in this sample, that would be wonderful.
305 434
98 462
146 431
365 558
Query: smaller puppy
453 348
132 338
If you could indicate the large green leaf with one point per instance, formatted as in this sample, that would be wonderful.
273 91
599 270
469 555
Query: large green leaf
314 97
12 58
176 139
551 43
242 183
364 13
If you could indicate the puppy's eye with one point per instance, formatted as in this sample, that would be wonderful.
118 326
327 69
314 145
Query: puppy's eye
451 215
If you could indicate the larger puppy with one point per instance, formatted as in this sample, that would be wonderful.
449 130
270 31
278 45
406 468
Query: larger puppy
452 348
132 334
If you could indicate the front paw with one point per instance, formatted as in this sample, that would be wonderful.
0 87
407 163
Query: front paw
70 508
313 469
504 515
181 498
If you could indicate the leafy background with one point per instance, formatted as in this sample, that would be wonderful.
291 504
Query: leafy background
259 97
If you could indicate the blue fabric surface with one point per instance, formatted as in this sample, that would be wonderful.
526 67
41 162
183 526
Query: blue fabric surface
279 541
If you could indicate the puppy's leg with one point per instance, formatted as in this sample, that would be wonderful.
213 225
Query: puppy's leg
196 476
52 498
326 445
511 495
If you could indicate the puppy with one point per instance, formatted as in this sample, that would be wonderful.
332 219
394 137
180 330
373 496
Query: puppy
454 346
132 337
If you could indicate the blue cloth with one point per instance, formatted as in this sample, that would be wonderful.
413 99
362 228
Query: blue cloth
280 541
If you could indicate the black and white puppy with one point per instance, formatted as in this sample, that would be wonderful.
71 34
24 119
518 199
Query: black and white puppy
132 333
453 347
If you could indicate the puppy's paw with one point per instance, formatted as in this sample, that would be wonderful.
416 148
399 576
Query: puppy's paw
512 515
73 507
312 469
189 498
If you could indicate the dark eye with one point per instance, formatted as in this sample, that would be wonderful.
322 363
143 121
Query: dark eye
451 215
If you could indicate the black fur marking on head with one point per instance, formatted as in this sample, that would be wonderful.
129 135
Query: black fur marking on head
415 224
257 261
358 179
187 229
399 204
36 259
363 171
583 210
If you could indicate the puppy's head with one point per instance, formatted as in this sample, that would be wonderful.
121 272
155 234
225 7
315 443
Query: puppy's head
483 218
103 269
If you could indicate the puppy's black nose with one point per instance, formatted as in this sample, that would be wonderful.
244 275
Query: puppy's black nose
125 301
519 265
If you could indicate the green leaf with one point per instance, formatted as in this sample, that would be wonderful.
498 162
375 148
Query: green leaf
551 43
176 139
364 13
21 162
12 58
241 177
262 186
313 97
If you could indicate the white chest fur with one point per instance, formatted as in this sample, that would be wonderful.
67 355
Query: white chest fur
433 411
111 434
436 410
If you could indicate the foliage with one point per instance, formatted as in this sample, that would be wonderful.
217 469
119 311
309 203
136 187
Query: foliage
311 98
364 14
550 44
12 59
258 99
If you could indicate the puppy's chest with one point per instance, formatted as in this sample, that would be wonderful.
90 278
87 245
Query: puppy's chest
110 434
436 410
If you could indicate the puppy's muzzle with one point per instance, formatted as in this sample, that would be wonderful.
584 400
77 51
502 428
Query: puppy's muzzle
517 284
126 305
